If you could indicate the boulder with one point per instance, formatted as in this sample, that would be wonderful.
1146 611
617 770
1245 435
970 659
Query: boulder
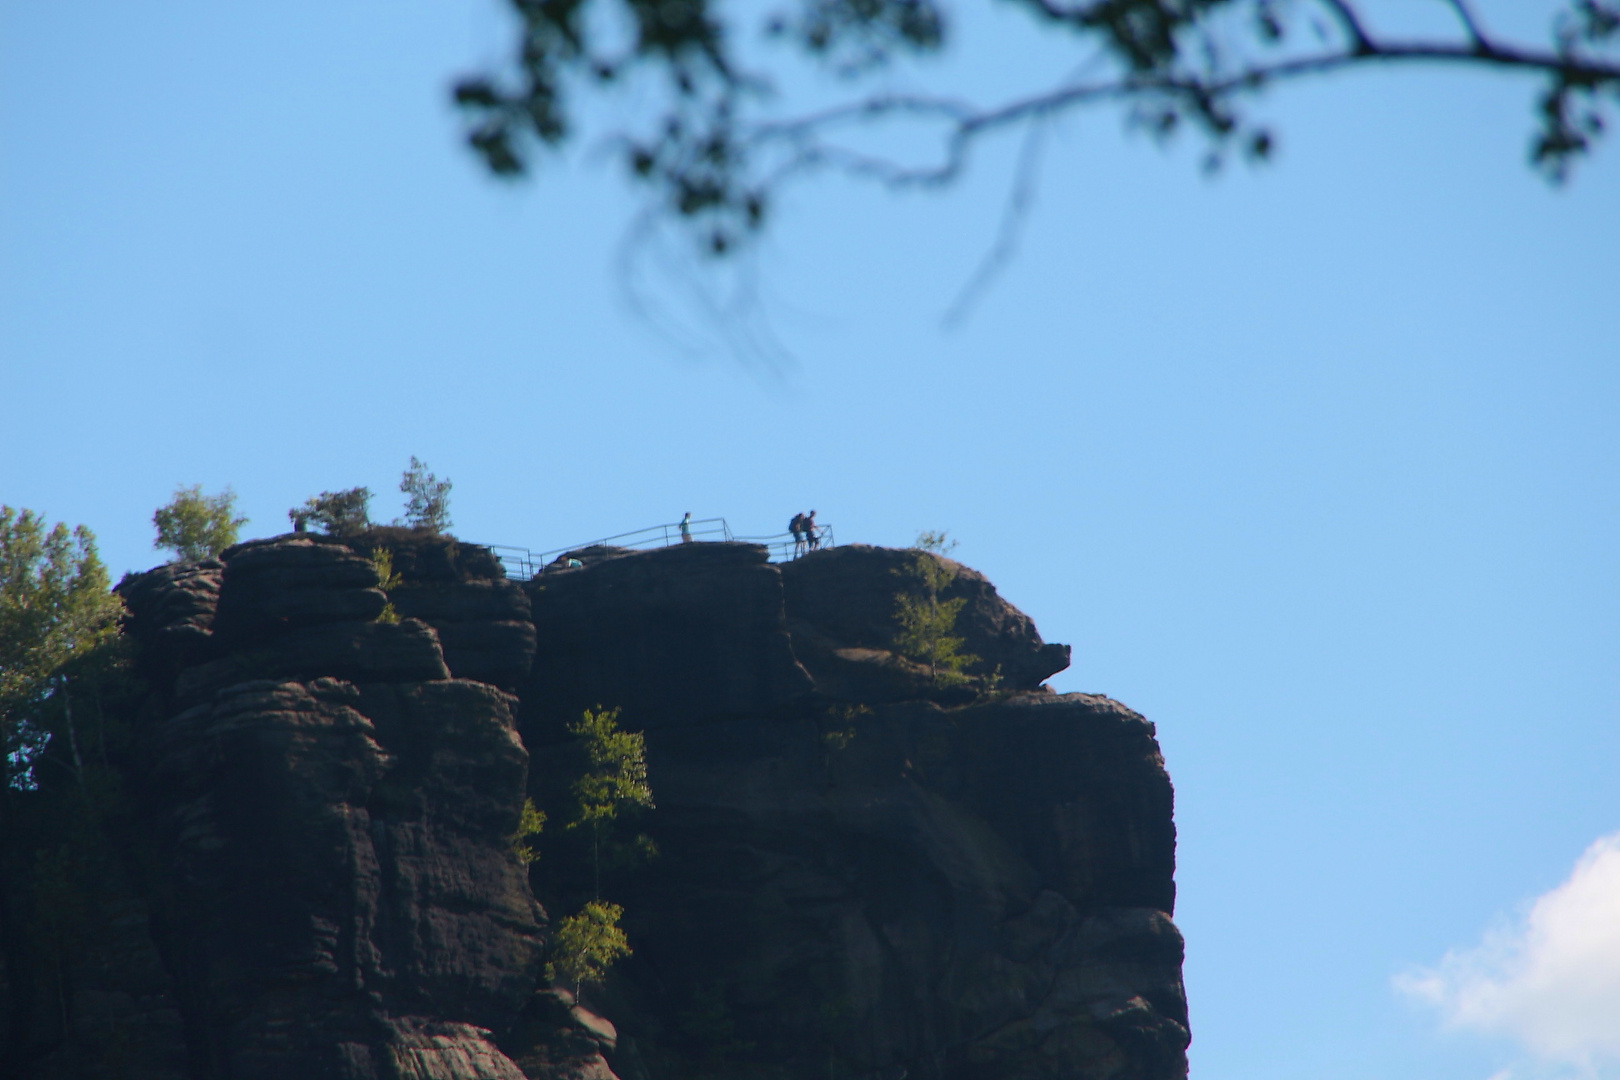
171 613
275 585
848 595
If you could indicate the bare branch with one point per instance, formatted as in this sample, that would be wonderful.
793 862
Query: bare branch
1014 214
1470 24
1360 43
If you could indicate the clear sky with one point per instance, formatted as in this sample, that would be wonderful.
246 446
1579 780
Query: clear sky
1314 465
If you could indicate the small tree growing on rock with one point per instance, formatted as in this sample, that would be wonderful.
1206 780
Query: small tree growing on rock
196 526
531 823
335 513
586 945
925 621
382 564
615 780
427 505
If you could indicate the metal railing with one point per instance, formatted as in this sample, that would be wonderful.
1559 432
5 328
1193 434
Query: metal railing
521 564
782 547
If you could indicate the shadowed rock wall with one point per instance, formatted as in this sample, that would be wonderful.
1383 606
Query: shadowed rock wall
861 873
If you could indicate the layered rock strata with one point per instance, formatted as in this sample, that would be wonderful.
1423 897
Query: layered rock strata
859 876
860 872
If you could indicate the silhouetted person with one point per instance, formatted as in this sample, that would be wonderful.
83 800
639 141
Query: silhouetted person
812 541
796 527
686 528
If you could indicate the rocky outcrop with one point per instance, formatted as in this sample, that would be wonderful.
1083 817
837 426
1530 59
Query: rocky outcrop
854 875
841 601
329 810
982 893
171 612
668 635
860 871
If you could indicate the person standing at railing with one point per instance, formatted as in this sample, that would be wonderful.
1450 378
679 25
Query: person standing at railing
686 528
811 539
796 527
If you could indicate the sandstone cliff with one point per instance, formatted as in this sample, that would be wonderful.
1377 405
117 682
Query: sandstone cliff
859 873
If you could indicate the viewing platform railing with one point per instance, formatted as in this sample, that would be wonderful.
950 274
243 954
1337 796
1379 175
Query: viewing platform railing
521 564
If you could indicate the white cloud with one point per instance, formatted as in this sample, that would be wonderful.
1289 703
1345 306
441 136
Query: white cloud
1551 980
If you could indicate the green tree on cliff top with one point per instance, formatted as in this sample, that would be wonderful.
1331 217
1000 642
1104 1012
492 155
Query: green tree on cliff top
427 505
196 526
335 513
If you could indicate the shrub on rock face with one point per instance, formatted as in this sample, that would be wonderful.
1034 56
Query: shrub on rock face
335 513
616 779
586 945
531 822
382 561
196 526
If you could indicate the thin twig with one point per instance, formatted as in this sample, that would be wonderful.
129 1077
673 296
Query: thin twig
1360 42
1011 230
1470 24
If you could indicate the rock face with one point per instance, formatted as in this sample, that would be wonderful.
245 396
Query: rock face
859 872
852 877
846 596
328 812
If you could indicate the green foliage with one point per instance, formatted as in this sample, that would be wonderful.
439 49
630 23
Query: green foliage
936 542
531 822
615 779
335 513
427 505
382 563
196 526
837 725
716 127
924 621
586 945
617 776
55 610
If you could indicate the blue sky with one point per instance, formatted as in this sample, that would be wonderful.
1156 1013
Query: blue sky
1314 465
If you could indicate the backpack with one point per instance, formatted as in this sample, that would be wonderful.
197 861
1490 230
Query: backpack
796 526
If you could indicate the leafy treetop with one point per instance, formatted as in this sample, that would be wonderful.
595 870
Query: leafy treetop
617 776
427 505
55 607
336 513
196 526
587 944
